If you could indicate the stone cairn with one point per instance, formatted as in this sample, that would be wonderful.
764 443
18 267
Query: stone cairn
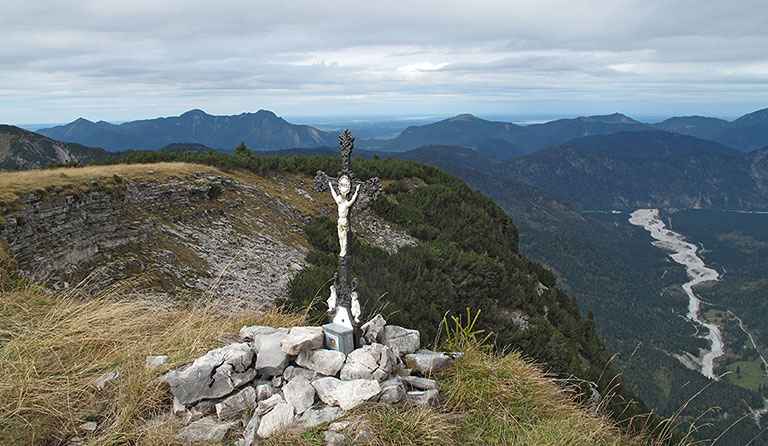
304 377
281 378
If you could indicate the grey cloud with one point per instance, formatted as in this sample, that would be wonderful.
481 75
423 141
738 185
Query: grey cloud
285 52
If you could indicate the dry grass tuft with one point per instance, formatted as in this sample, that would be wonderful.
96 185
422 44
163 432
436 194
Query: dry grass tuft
406 426
15 184
54 348
310 437
506 400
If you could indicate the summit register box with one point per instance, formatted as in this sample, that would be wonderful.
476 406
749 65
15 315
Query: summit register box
339 338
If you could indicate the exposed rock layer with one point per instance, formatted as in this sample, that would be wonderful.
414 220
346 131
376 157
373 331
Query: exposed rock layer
239 238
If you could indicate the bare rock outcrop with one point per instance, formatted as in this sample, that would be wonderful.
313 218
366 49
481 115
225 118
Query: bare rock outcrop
313 387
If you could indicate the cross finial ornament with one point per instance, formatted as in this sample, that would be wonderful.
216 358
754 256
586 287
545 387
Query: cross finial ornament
347 143
343 305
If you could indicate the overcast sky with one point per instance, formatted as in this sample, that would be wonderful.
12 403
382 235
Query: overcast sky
136 59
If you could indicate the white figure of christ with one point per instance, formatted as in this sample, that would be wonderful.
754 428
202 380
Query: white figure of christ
341 200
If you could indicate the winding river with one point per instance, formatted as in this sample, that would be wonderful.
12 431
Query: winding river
684 253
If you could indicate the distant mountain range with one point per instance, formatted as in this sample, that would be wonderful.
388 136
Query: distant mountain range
627 170
22 150
506 140
595 163
503 139
262 130
592 178
749 132
499 139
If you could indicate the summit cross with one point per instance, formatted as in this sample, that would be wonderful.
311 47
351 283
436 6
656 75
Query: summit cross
343 304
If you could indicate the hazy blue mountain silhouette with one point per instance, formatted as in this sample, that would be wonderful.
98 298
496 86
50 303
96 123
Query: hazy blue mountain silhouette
749 132
262 130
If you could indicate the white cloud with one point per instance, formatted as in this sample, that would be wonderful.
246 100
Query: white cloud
126 60
419 68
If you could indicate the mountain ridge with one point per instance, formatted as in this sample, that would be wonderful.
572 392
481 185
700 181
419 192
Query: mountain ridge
260 130
629 170
747 133
22 149
264 130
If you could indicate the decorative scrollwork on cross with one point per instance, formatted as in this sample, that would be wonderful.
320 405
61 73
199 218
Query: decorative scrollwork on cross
346 143
345 190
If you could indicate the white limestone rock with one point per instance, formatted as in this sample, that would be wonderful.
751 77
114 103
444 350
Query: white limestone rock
109 377
299 339
372 328
422 397
300 394
426 361
205 430
205 407
278 418
331 438
231 408
270 358
250 333
346 394
177 408
214 375
265 390
153 362
249 434
292 372
89 426
315 417
323 361
419 383
399 339
268 404
392 391
373 361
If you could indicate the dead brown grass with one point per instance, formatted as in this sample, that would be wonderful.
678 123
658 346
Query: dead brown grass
54 348
15 184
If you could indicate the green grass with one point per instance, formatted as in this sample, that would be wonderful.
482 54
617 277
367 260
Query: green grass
743 242
309 437
751 375
662 379
717 317
506 400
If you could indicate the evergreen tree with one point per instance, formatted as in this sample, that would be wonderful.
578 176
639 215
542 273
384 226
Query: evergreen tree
242 149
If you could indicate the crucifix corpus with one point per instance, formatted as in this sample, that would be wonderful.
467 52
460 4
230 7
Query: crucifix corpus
343 333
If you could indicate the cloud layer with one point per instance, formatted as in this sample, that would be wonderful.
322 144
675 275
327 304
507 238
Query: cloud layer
139 59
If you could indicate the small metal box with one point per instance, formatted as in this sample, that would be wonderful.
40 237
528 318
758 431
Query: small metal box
339 338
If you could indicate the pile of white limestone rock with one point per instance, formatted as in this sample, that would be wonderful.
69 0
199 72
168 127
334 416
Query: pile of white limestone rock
283 378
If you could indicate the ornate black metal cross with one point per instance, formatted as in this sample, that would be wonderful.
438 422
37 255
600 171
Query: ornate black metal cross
345 190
